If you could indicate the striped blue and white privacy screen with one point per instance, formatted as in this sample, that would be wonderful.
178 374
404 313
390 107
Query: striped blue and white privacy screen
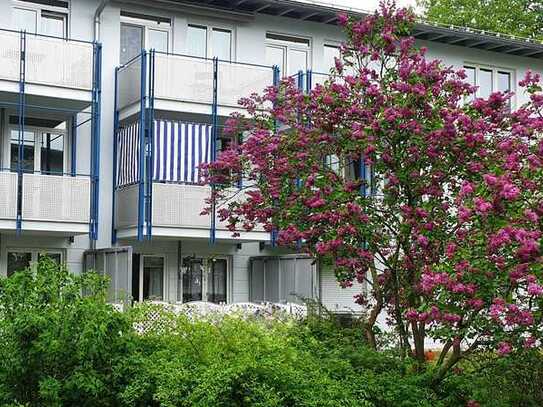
179 149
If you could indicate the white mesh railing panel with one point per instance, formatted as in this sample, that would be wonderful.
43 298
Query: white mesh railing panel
56 198
183 78
8 195
129 83
127 206
176 205
57 62
240 196
9 55
318 78
236 81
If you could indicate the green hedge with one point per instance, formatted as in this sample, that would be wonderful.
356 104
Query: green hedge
60 348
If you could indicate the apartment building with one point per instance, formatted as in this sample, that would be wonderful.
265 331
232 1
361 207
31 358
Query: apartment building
107 108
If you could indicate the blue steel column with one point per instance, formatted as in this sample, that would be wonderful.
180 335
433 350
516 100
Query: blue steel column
141 160
73 142
212 230
21 113
276 76
150 122
115 146
95 139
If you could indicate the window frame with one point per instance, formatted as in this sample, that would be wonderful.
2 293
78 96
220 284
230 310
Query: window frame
291 45
148 23
164 276
206 265
47 9
38 131
34 254
495 71
210 27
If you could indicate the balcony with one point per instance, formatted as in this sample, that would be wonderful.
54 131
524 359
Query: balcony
181 83
52 204
175 211
52 68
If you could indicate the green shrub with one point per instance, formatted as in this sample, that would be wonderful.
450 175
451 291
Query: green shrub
62 348
58 347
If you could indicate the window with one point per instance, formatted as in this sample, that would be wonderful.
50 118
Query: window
331 52
153 278
216 281
203 280
44 145
139 32
197 41
21 259
41 17
488 79
290 54
18 261
203 41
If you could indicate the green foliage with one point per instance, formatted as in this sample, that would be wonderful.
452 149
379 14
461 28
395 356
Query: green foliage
62 348
515 380
58 346
523 18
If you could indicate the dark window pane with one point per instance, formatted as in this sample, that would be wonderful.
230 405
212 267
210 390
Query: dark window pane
135 277
18 261
153 278
28 151
192 282
52 153
216 282
131 41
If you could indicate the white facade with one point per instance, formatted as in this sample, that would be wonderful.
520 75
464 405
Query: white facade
56 211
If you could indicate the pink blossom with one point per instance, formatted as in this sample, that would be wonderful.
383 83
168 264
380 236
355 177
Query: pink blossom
535 289
504 348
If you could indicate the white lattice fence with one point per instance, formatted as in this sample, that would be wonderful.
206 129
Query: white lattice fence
158 317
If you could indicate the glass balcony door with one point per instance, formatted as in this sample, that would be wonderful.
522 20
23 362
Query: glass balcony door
205 280
44 146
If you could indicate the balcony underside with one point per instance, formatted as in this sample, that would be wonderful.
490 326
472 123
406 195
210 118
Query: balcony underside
49 96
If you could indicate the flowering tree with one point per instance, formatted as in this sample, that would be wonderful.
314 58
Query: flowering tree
396 175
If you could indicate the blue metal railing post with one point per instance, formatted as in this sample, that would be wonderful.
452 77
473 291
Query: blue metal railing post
276 79
115 152
95 139
20 146
73 142
308 80
141 160
150 123
363 176
212 230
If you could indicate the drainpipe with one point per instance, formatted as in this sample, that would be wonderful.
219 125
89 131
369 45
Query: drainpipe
97 14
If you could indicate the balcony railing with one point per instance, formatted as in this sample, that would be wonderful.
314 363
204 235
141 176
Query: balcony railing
44 60
46 200
176 212
182 78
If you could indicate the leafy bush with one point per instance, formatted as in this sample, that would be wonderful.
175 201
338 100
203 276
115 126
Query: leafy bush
62 348
58 347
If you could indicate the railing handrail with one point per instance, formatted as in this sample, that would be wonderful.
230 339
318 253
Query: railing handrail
67 39
35 172
174 54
